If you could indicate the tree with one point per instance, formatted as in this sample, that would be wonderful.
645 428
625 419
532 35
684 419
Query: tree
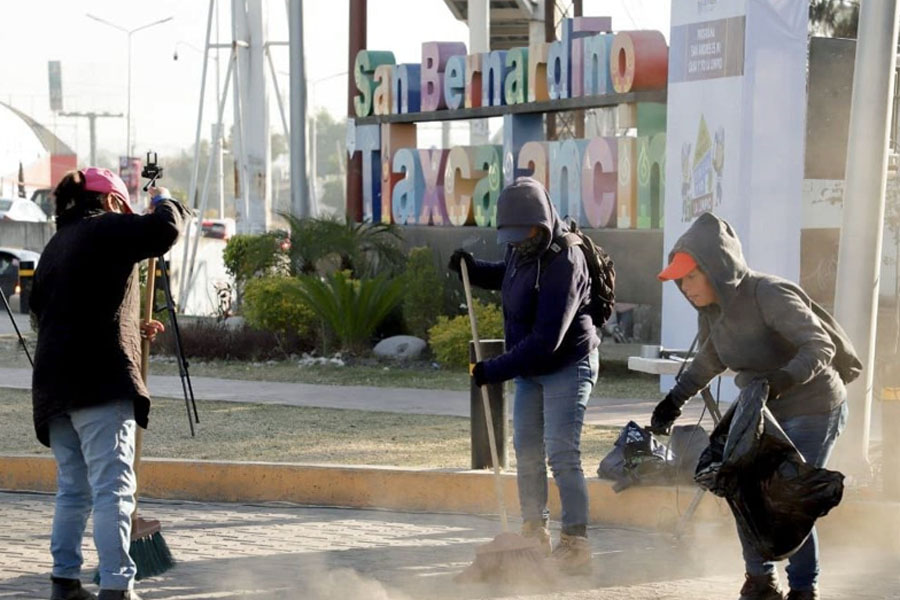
834 18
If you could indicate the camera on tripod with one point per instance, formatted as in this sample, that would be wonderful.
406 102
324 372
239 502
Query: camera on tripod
151 170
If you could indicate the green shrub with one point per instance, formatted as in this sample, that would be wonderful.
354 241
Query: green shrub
449 338
276 304
364 249
250 256
424 297
351 308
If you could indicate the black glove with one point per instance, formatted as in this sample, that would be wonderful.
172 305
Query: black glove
478 374
779 382
457 257
708 479
664 416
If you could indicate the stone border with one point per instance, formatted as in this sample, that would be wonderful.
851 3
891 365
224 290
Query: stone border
868 522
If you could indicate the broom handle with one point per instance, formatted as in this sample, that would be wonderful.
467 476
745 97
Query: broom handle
498 482
147 316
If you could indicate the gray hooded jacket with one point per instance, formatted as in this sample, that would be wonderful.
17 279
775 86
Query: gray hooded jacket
760 323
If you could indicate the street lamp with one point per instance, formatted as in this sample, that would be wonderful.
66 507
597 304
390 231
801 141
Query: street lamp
129 33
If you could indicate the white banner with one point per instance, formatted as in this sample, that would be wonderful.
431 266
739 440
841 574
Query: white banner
735 133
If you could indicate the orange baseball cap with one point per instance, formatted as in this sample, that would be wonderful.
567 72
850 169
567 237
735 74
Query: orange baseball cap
682 263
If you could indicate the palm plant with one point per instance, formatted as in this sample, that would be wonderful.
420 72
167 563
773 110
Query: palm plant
363 249
351 308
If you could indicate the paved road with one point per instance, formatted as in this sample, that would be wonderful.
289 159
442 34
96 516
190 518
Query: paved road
278 551
601 411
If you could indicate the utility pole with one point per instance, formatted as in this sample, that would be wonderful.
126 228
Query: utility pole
302 205
92 121
862 221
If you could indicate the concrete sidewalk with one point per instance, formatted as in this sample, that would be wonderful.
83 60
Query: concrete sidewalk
278 551
613 412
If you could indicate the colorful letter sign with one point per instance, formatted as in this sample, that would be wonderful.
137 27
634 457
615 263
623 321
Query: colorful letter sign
434 60
364 74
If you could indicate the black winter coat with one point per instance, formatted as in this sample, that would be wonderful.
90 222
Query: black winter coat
86 297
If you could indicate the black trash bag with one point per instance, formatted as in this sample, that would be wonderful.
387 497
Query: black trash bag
637 457
774 494
686 445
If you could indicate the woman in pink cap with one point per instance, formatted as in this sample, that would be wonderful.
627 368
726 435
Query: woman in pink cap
760 325
87 391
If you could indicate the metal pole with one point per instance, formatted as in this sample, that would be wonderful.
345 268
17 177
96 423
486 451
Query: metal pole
195 169
357 42
313 158
301 205
188 267
284 123
92 124
859 259
128 112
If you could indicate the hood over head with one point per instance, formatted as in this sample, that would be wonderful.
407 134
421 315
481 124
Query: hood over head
522 205
716 249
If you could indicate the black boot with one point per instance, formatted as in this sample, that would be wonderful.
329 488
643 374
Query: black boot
69 589
812 594
761 587
118 595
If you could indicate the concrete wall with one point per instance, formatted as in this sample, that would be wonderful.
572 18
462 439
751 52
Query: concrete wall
30 236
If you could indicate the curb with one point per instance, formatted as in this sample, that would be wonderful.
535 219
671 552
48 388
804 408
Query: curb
856 521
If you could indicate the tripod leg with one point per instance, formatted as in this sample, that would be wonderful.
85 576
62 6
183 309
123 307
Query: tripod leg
186 386
689 513
711 405
16 327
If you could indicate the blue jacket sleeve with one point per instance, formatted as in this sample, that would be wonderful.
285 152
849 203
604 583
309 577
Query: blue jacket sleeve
487 275
563 290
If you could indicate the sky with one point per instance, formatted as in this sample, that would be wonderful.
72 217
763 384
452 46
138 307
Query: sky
165 92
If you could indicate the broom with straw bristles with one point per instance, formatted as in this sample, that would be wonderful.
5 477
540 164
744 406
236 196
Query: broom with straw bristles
148 549
509 557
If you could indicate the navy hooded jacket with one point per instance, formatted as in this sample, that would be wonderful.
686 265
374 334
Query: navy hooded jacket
545 297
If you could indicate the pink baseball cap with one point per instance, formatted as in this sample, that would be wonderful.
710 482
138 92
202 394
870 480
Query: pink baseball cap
105 181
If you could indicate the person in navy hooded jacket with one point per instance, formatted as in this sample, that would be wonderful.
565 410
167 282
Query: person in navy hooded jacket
551 354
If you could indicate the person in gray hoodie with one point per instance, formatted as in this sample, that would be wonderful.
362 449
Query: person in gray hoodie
759 325
551 353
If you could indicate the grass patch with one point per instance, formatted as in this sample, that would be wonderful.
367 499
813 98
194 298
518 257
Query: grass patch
246 432
615 380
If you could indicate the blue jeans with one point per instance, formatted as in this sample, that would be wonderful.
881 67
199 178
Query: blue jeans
94 450
547 420
814 436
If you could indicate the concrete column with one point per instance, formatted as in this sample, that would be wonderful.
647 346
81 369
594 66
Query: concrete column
859 259
240 33
301 201
256 122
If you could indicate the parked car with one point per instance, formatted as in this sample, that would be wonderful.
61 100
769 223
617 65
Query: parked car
20 209
43 197
10 258
220 229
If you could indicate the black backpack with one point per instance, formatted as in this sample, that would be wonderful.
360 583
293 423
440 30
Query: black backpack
601 269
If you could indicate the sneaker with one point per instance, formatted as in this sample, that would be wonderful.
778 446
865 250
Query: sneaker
572 555
812 594
761 587
118 595
69 589
538 531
